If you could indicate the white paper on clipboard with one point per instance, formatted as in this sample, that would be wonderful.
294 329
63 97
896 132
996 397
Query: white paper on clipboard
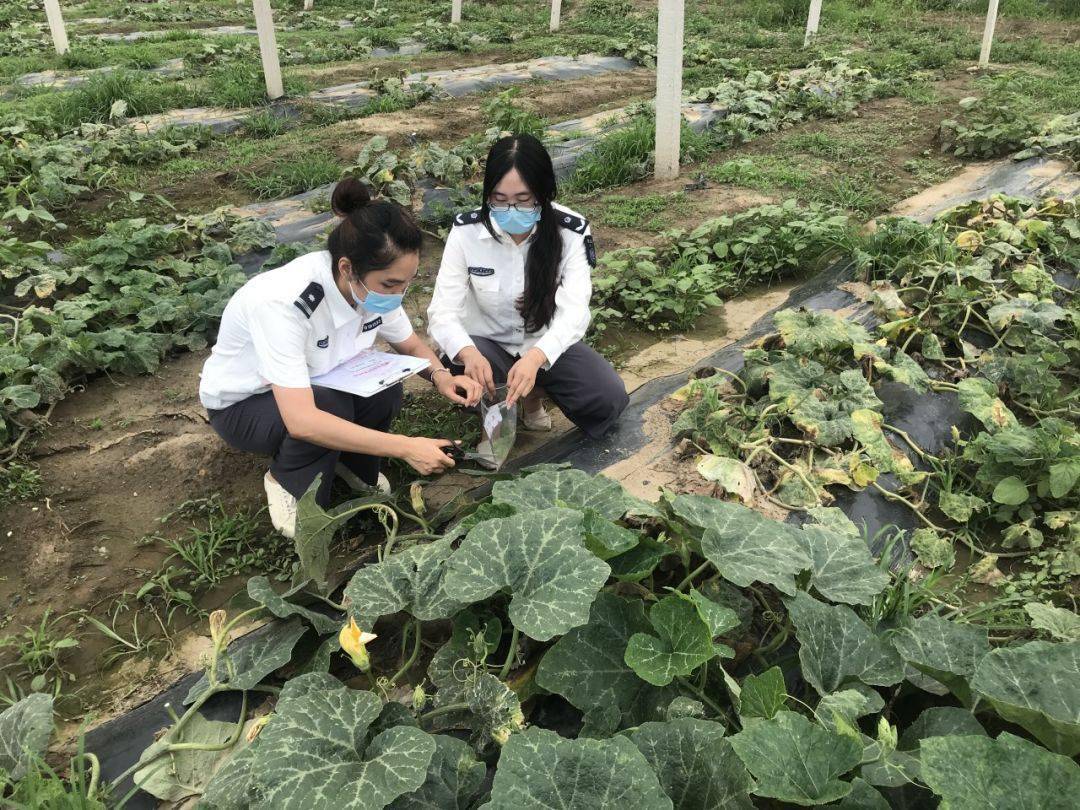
370 372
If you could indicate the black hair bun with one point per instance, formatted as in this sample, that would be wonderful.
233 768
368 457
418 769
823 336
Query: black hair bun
349 195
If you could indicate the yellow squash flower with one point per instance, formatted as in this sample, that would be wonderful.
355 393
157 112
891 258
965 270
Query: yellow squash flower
354 641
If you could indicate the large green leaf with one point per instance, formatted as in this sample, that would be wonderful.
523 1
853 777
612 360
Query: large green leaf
681 641
540 558
317 752
862 797
25 729
454 777
836 647
184 773
254 659
697 767
978 397
842 568
1060 623
231 787
606 539
539 770
640 561
587 666
946 651
795 760
977 773
763 695
745 546
1037 686
412 580
260 590
806 331
571 489
836 709
315 528
939 721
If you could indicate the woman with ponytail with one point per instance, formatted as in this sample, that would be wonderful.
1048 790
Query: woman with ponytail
511 301
287 325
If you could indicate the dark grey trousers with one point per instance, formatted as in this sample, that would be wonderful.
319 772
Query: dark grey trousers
581 383
255 425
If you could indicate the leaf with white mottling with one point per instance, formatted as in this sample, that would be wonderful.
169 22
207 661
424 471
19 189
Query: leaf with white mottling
862 797
946 651
744 546
1060 623
836 647
25 729
1037 686
940 721
977 773
540 558
571 489
795 760
587 666
763 695
454 777
539 770
316 752
413 580
843 570
697 767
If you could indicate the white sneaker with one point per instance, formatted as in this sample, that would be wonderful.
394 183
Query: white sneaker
539 420
352 480
281 505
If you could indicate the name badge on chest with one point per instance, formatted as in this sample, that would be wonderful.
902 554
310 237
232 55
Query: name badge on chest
375 324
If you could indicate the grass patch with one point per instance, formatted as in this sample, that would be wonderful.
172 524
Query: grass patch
300 174
264 125
762 173
637 212
244 86
94 100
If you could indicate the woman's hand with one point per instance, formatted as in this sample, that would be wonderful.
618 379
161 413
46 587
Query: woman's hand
522 377
477 368
462 389
427 456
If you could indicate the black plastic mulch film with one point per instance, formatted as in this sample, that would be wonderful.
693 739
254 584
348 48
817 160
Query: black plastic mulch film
928 418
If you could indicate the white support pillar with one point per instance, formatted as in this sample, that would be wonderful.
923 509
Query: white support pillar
988 33
556 15
309 4
455 11
56 26
669 57
812 20
264 23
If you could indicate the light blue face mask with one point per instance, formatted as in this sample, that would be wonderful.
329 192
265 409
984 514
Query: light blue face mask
514 221
376 302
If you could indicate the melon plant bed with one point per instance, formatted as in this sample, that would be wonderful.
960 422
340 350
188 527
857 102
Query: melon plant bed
593 649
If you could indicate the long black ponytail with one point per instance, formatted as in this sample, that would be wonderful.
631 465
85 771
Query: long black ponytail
526 154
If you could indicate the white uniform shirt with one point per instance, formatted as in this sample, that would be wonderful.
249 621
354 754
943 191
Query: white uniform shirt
284 327
481 279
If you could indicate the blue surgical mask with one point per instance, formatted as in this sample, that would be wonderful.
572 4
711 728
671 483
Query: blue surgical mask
516 222
376 302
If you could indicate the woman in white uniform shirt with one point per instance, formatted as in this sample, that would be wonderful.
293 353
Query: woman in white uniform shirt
511 301
287 325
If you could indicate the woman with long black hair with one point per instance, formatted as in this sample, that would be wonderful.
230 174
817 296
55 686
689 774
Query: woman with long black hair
288 325
511 301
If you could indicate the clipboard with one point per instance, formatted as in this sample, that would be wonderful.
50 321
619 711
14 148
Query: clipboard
370 372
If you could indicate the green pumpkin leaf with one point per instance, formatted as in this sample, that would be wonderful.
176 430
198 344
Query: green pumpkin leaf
539 770
1060 623
254 658
976 773
587 666
315 529
606 539
862 797
795 760
939 721
637 563
541 559
260 591
1010 491
680 644
697 767
25 729
763 695
847 706
413 580
231 787
978 397
1063 477
317 751
960 507
454 778
946 651
933 550
842 569
570 489
837 648
807 331
1037 686
718 618
745 546
187 772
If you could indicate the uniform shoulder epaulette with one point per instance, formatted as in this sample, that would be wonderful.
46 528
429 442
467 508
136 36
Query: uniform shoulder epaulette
310 299
468 217
571 222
